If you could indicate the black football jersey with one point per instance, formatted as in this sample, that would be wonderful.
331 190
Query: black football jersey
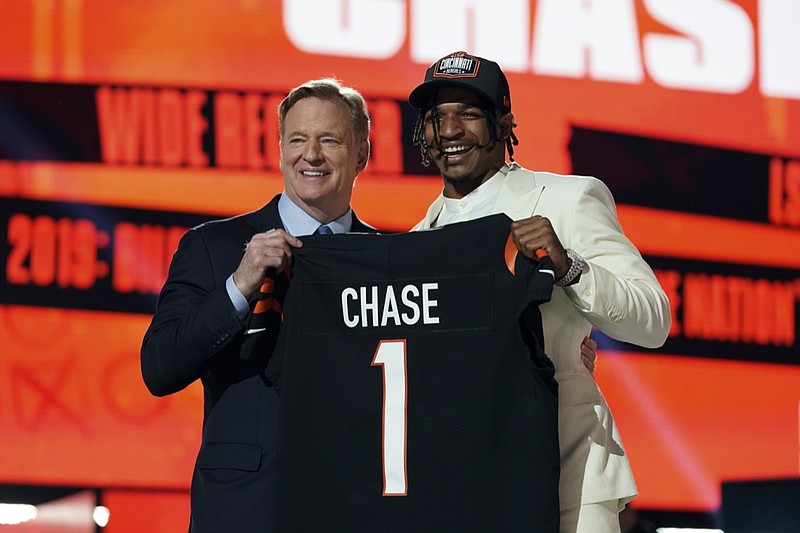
415 391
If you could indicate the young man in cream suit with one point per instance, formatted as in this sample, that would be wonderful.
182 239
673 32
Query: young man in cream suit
465 128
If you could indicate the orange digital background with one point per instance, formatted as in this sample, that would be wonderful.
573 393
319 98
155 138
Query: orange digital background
73 408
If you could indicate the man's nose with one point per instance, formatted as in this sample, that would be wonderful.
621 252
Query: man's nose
450 126
312 152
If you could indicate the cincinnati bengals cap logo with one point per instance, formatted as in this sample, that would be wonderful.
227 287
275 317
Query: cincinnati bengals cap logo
459 65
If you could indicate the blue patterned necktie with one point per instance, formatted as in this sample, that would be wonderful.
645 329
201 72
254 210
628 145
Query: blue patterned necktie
323 230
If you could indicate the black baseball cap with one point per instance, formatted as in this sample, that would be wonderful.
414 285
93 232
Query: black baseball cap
461 69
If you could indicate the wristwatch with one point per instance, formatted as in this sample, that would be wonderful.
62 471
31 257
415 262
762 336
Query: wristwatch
576 268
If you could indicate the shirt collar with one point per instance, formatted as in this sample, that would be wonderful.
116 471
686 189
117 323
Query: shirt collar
298 223
485 192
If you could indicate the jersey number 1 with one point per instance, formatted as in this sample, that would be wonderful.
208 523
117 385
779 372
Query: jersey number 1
391 355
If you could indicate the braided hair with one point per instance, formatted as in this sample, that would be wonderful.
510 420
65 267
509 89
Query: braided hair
418 137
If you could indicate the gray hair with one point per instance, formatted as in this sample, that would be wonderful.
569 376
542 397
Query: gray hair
332 90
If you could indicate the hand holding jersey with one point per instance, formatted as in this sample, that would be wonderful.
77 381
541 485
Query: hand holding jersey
536 233
264 252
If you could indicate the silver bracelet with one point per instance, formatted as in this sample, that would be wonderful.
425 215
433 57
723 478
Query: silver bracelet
575 268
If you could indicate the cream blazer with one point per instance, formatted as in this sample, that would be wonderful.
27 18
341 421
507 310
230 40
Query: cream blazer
620 296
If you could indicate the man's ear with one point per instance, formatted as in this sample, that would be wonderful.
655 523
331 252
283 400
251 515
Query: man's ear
363 156
505 125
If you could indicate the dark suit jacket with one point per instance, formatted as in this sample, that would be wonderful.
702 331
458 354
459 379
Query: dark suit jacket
196 334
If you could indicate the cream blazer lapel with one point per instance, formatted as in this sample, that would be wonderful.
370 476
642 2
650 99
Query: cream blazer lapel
430 217
519 195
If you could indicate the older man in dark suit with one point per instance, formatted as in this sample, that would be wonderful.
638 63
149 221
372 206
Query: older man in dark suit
219 312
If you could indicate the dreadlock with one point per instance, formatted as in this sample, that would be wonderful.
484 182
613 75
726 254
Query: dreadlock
418 137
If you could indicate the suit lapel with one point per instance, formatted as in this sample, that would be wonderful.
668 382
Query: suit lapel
267 217
432 214
519 196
